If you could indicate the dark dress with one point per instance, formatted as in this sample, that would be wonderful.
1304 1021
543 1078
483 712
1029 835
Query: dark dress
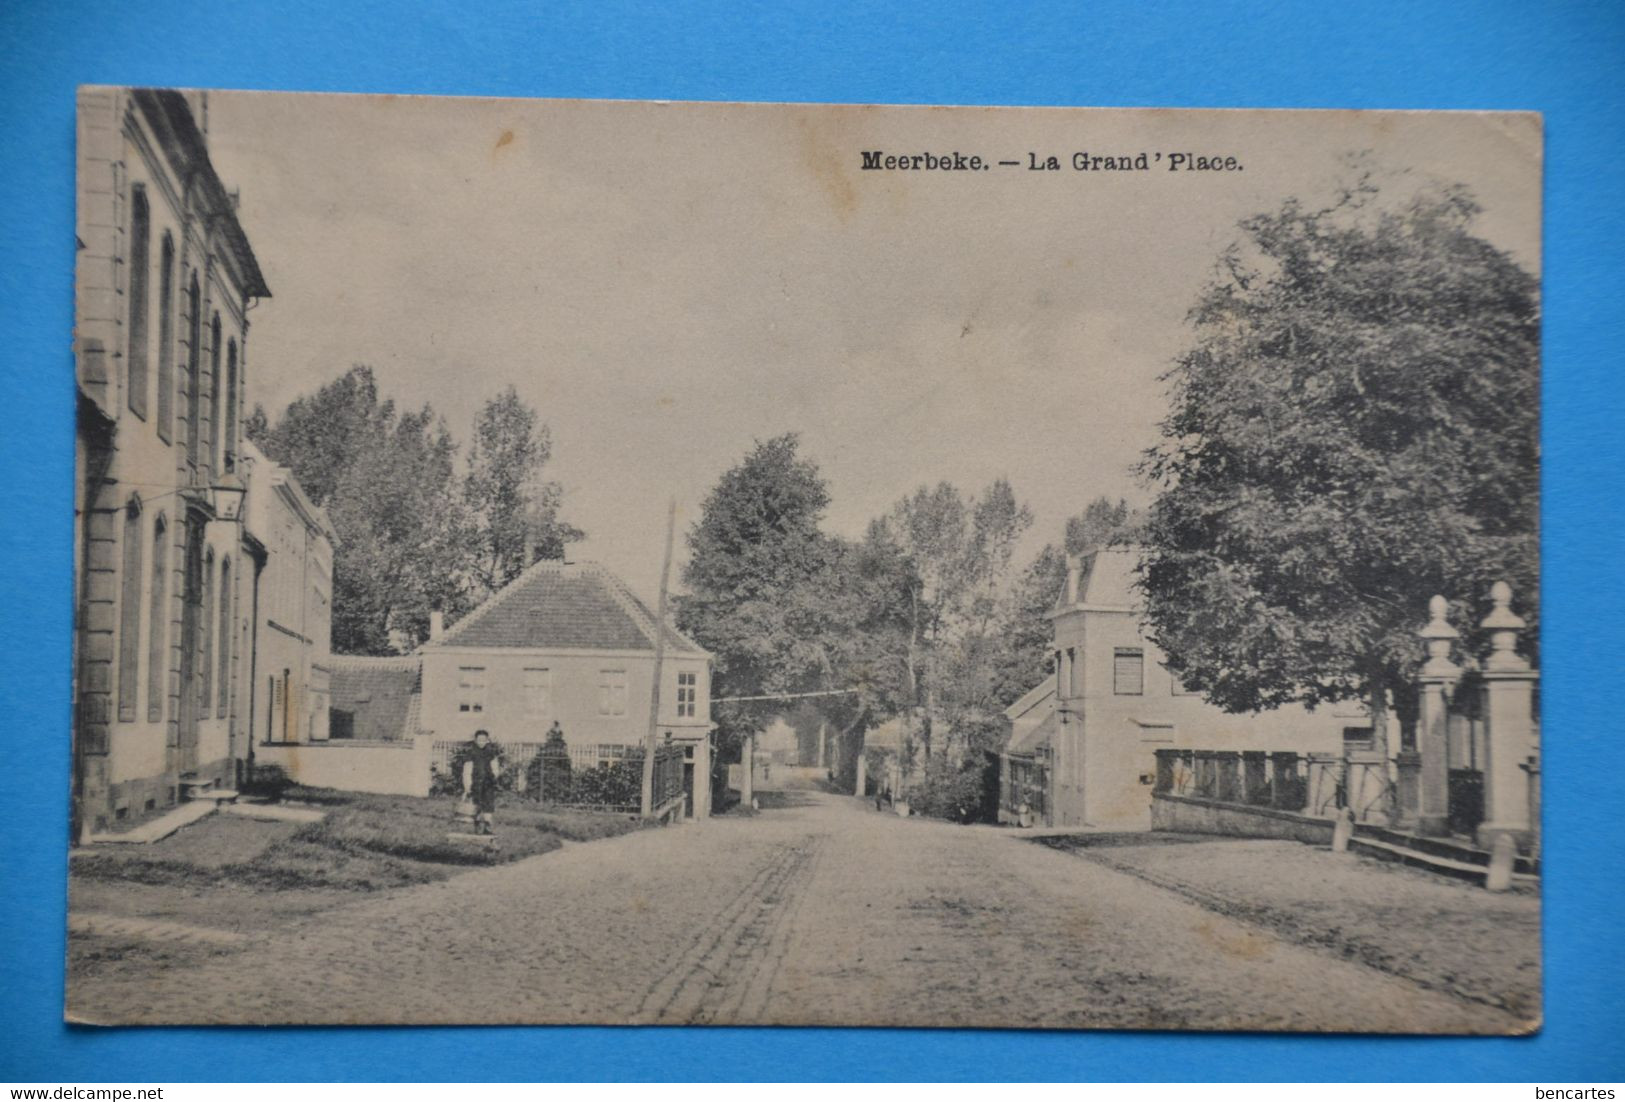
482 788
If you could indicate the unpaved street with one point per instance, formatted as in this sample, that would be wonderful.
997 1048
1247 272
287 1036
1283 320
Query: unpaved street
822 912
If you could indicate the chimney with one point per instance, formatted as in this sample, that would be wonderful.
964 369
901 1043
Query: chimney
437 625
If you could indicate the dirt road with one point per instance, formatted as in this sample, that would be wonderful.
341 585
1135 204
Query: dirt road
822 912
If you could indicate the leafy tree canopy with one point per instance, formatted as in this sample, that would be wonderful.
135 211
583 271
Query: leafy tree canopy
757 579
1353 429
412 536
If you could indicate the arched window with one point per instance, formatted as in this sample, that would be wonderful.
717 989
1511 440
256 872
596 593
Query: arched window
225 632
129 615
194 371
215 435
158 624
205 641
135 374
230 434
166 338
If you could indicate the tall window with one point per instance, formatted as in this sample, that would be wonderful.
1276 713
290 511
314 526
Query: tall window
225 633
1128 671
1072 671
229 435
471 689
687 693
538 694
612 692
158 624
205 644
129 616
194 371
140 247
166 338
215 435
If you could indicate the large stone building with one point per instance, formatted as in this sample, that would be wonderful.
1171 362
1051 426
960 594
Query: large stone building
164 282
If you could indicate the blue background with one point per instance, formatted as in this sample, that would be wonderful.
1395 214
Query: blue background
1564 59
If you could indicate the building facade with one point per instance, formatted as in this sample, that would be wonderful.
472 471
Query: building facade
569 643
286 685
163 285
1088 735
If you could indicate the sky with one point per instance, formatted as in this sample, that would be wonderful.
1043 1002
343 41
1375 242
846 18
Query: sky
669 283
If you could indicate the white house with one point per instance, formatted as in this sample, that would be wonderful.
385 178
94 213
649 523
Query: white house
1114 704
569 643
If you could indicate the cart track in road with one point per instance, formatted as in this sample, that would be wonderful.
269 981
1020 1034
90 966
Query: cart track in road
733 961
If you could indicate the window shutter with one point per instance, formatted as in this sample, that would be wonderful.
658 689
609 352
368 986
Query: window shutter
1128 671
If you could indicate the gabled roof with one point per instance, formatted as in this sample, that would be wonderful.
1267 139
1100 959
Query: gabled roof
563 606
1041 693
381 692
1030 740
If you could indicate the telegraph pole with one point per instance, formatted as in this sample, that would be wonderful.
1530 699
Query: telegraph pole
660 660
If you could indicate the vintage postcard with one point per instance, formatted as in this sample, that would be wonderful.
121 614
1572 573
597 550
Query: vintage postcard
771 564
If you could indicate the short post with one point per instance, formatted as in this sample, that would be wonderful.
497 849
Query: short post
862 769
1436 681
1503 855
1510 726
1531 769
1343 830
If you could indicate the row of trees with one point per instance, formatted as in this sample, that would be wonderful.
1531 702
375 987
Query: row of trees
926 617
1353 429
418 528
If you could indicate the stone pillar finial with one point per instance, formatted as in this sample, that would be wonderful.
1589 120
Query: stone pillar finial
1439 635
1503 625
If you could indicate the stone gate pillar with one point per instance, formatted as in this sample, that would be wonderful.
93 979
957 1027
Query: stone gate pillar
1509 686
1436 682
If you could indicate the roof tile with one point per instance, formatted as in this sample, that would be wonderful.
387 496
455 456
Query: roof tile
563 606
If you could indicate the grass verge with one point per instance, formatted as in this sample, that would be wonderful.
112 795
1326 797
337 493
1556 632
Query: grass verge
365 843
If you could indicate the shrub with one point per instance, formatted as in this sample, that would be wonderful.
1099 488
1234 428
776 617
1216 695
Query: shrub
948 791
269 781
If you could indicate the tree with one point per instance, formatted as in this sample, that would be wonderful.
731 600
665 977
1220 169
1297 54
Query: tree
1027 635
1353 429
957 553
514 512
412 537
386 481
1101 523
758 577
